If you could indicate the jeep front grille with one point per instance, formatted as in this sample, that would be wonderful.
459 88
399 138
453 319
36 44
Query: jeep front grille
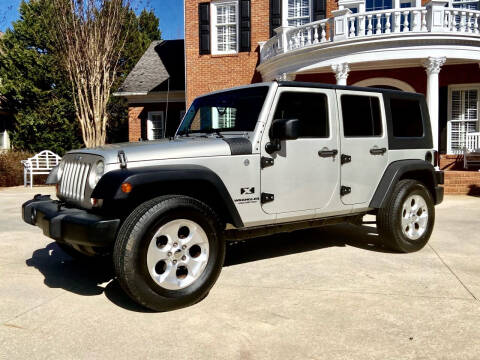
74 180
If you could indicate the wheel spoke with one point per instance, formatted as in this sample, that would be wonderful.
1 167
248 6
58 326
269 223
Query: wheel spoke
194 265
170 277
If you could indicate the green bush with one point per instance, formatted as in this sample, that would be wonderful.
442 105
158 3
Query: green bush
11 170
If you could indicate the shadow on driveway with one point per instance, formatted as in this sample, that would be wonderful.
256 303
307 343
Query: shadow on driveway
87 277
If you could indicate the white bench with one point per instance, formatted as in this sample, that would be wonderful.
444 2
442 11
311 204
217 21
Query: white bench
40 164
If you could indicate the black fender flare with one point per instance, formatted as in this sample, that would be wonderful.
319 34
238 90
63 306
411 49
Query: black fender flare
109 186
395 171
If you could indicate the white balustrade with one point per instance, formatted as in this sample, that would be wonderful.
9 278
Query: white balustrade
473 141
371 24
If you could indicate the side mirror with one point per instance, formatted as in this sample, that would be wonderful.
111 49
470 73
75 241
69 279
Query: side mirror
285 129
282 129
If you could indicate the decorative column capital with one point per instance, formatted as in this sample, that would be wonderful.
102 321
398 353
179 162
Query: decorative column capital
341 71
433 65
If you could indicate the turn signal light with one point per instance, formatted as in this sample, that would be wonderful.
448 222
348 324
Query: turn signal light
126 187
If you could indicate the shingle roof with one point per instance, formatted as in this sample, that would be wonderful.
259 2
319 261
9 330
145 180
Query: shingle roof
163 60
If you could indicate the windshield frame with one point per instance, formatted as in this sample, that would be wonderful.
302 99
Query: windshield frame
184 128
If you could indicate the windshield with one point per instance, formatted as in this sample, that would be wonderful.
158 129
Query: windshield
234 110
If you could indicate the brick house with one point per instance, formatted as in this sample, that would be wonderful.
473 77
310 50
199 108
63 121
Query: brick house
431 47
155 91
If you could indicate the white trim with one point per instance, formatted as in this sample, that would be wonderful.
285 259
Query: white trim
285 12
382 52
399 84
150 124
213 26
453 87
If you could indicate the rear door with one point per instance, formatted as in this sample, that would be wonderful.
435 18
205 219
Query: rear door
364 144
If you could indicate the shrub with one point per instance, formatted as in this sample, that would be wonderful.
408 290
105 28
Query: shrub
11 170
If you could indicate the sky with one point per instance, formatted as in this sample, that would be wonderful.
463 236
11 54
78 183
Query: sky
170 13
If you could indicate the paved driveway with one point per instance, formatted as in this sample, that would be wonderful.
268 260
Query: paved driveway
326 293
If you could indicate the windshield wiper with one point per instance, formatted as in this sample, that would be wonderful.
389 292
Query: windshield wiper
184 133
214 131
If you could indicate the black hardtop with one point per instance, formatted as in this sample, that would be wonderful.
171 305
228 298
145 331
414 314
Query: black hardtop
344 87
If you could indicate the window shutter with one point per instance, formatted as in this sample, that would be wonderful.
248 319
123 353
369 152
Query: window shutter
319 9
245 25
204 28
275 15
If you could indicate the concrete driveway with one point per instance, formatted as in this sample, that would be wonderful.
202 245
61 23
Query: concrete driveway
328 293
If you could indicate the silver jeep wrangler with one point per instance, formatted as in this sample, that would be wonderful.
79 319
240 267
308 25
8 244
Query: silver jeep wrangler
245 162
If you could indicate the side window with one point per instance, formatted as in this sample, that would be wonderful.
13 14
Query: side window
311 109
361 116
406 118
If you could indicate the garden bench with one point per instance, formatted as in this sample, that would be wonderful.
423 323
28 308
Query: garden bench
40 164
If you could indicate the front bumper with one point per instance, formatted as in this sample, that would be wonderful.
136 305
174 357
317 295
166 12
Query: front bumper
69 225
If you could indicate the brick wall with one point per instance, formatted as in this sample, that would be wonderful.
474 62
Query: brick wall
462 183
138 115
207 73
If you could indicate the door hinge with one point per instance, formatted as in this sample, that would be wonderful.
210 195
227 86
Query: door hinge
345 190
345 159
266 162
266 197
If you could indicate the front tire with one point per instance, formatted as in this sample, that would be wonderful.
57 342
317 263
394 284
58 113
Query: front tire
169 252
406 222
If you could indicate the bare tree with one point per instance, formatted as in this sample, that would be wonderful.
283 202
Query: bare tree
90 36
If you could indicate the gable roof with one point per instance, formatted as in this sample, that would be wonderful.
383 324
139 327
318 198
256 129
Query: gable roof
163 60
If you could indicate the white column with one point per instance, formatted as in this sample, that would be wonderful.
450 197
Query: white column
432 67
341 73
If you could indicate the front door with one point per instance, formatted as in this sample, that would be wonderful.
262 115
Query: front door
305 172
364 140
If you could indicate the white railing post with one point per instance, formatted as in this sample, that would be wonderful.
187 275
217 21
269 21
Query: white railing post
369 24
387 24
435 15
378 29
406 25
282 38
396 22
361 25
339 24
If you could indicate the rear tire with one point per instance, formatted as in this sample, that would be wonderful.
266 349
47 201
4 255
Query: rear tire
406 222
169 252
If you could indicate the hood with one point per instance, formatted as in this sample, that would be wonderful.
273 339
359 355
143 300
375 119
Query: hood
184 147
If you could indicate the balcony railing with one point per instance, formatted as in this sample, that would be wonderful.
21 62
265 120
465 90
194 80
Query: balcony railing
345 25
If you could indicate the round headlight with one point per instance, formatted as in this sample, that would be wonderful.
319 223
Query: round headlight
60 170
96 173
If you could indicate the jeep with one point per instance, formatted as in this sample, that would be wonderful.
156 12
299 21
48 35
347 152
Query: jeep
245 162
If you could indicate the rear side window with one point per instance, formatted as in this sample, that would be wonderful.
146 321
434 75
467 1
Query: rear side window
361 116
406 117
310 108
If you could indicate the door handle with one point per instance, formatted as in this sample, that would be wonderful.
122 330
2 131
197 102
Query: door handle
378 151
327 153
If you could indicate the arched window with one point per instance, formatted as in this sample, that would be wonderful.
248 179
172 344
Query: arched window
388 83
